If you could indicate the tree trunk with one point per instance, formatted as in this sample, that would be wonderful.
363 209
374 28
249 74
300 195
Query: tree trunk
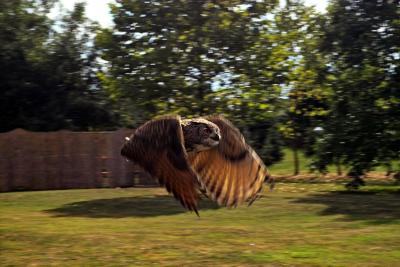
389 169
296 161
338 168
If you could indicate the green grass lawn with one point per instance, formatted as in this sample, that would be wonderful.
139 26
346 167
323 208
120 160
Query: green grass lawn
298 224
286 165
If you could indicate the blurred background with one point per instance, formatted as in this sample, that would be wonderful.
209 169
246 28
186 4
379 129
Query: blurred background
319 84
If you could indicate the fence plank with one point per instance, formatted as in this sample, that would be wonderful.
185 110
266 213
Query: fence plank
5 164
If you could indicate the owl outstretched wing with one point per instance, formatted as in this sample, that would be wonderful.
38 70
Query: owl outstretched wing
232 172
157 146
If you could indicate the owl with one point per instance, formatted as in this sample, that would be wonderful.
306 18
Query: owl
194 157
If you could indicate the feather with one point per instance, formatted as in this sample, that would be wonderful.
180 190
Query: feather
157 147
232 172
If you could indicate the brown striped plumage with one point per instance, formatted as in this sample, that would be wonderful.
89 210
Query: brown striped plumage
205 154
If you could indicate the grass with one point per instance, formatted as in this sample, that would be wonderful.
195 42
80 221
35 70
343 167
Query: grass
298 224
285 167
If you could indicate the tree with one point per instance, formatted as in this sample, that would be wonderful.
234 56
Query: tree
362 44
24 27
47 77
306 97
170 55
196 58
71 62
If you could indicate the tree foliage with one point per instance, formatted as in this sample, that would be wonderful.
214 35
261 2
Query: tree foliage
306 95
327 84
196 58
48 75
23 28
362 45
169 55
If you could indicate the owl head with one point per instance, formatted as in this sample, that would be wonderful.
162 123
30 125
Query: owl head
200 134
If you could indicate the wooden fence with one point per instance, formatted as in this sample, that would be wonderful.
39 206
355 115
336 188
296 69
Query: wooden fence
65 159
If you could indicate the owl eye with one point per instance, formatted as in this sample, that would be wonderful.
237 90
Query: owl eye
208 130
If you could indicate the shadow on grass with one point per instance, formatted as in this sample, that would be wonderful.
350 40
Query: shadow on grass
141 206
377 206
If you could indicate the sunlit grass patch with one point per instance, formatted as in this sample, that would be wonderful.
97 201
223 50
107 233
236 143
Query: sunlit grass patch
297 224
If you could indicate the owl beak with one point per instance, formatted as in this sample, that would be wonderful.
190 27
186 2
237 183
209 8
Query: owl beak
215 137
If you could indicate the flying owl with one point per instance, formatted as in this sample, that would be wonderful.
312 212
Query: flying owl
198 156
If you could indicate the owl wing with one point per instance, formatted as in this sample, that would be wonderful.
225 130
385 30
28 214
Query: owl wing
232 172
157 146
